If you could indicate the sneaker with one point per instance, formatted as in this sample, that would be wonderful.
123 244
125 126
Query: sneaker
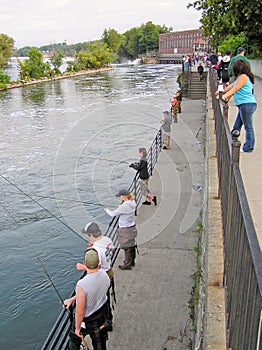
154 200
146 203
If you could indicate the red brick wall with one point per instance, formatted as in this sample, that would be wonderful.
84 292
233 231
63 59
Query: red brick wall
183 42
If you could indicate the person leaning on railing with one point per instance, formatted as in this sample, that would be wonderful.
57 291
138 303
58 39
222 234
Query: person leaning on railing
243 92
91 305
126 232
142 169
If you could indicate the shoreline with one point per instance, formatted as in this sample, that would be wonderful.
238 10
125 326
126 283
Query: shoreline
17 84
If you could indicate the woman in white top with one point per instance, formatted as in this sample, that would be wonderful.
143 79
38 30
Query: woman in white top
126 232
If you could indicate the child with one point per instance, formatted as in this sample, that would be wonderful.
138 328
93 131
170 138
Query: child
141 167
200 70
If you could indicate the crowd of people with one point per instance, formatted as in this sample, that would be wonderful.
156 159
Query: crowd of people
93 312
93 304
239 84
235 79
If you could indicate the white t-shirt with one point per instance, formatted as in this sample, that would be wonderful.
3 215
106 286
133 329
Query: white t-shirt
104 248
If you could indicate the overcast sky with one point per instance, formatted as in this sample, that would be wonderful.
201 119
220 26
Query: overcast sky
41 22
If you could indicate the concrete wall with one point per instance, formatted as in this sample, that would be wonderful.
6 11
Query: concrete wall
256 67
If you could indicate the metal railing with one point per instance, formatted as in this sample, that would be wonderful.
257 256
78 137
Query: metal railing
58 336
242 254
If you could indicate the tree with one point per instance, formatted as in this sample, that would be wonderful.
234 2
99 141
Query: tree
143 39
56 60
149 36
4 80
130 47
96 55
234 17
232 42
113 39
6 49
248 21
34 67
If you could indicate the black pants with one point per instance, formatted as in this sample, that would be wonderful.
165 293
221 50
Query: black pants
95 327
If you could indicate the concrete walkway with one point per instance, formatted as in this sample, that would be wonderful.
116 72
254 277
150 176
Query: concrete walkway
152 310
251 163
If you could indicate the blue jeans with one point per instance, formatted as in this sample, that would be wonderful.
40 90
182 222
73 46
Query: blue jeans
244 117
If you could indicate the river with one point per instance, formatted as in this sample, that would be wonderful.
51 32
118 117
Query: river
63 147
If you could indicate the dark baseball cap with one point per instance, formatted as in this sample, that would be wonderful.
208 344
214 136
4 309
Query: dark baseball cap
240 49
91 227
123 192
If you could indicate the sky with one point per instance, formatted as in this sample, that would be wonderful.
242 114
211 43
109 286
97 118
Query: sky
42 22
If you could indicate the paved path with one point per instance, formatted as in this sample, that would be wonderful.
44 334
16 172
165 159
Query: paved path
251 163
152 300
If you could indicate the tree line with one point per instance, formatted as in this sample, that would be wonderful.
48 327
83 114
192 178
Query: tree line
112 47
129 45
227 24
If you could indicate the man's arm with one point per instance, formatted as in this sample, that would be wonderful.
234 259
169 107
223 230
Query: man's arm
80 309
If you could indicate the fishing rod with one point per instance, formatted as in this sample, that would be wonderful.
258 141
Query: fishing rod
109 160
69 199
61 300
40 205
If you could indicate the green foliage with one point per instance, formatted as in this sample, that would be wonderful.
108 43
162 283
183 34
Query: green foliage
96 55
232 17
113 39
34 67
23 52
6 49
134 42
56 60
130 47
232 42
4 80
141 40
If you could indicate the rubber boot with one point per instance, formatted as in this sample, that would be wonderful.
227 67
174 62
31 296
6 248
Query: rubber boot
128 260
154 200
133 252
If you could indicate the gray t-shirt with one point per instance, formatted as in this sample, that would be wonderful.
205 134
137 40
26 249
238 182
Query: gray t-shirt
95 286
166 125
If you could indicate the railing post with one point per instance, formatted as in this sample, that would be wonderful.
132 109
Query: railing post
235 146
225 110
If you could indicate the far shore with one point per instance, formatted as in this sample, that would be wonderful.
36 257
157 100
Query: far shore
16 84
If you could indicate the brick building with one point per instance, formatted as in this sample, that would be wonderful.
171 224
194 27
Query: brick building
182 42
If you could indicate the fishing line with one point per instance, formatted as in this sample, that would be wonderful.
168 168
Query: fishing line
38 259
70 200
40 205
109 160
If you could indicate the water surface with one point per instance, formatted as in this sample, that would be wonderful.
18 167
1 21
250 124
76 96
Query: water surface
65 145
